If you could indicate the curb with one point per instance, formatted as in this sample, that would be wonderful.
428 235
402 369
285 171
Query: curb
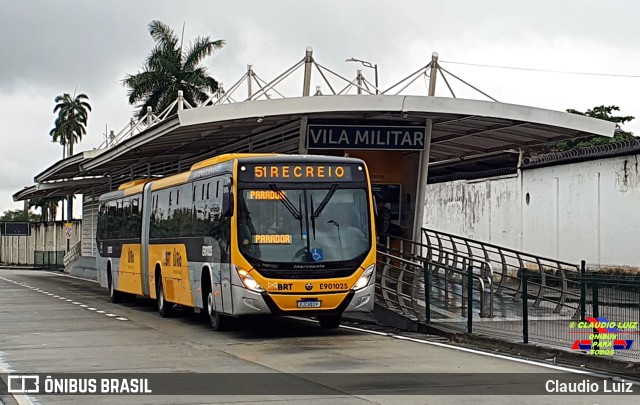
552 355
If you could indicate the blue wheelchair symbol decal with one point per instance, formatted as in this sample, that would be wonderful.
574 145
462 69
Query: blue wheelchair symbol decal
316 255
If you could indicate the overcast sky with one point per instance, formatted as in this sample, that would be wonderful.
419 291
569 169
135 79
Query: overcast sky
51 47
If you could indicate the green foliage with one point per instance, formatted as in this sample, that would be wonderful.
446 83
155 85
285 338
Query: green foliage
70 124
19 215
170 68
600 112
48 207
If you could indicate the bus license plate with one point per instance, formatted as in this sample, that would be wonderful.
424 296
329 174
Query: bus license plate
309 304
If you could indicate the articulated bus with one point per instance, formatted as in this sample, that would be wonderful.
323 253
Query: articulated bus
244 234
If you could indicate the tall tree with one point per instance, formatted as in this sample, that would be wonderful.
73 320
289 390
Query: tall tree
18 215
170 68
48 207
604 112
70 124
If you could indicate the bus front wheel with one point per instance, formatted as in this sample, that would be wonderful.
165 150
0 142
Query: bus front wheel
217 321
330 321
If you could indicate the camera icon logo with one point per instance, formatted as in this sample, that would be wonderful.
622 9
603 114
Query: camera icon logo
23 384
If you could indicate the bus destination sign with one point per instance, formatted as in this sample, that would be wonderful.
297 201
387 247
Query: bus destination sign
302 172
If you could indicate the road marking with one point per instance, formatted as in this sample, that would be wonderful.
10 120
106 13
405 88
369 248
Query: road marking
467 350
482 353
70 276
79 304
5 368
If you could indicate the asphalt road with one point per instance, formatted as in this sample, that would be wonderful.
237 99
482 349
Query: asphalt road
51 323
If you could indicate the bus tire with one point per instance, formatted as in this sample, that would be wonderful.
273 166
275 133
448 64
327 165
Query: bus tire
330 321
164 307
115 295
217 321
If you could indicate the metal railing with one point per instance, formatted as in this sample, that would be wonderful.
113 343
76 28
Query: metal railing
52 260
257 89
542 300
417 281
603 297
558 279
73 254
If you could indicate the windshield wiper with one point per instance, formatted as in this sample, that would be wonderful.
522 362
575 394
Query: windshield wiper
286 202
324 202
313 218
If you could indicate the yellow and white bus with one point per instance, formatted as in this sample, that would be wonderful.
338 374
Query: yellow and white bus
244 234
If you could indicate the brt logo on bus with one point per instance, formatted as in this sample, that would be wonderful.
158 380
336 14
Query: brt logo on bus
272 285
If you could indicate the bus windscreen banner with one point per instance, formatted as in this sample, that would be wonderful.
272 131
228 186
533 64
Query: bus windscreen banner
302 172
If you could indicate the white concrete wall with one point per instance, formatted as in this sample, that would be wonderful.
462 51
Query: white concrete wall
45 236
486 210
587 210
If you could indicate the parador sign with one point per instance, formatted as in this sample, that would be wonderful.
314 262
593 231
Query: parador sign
365 137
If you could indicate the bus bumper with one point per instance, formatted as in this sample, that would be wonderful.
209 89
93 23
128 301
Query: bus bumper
246 302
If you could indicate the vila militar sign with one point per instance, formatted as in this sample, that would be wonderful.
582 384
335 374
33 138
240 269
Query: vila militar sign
365 137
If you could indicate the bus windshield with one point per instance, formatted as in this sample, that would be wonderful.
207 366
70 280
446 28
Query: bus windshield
303 225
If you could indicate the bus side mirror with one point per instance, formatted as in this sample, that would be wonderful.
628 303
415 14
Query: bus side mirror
227 203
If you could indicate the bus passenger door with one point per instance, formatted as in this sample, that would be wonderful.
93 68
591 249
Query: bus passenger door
224 196
144 241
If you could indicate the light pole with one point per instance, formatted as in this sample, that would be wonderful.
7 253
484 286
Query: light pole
369 65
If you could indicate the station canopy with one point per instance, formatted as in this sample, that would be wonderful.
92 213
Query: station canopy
462 131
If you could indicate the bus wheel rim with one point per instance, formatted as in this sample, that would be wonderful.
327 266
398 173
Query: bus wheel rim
210 304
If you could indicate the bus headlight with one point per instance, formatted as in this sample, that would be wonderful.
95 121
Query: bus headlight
248 281
364 279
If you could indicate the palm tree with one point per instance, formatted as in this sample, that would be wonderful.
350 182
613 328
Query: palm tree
169 68
48 207
70 125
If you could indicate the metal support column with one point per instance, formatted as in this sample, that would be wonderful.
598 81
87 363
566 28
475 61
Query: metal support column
423 174
359 81
180 100
302 145
308 63
434 74
250 82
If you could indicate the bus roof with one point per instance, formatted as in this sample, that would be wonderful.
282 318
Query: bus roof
226 157
132 183
136 186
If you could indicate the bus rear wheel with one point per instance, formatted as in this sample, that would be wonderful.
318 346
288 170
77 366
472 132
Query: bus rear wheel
114 295
330 321
164 307
217 321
